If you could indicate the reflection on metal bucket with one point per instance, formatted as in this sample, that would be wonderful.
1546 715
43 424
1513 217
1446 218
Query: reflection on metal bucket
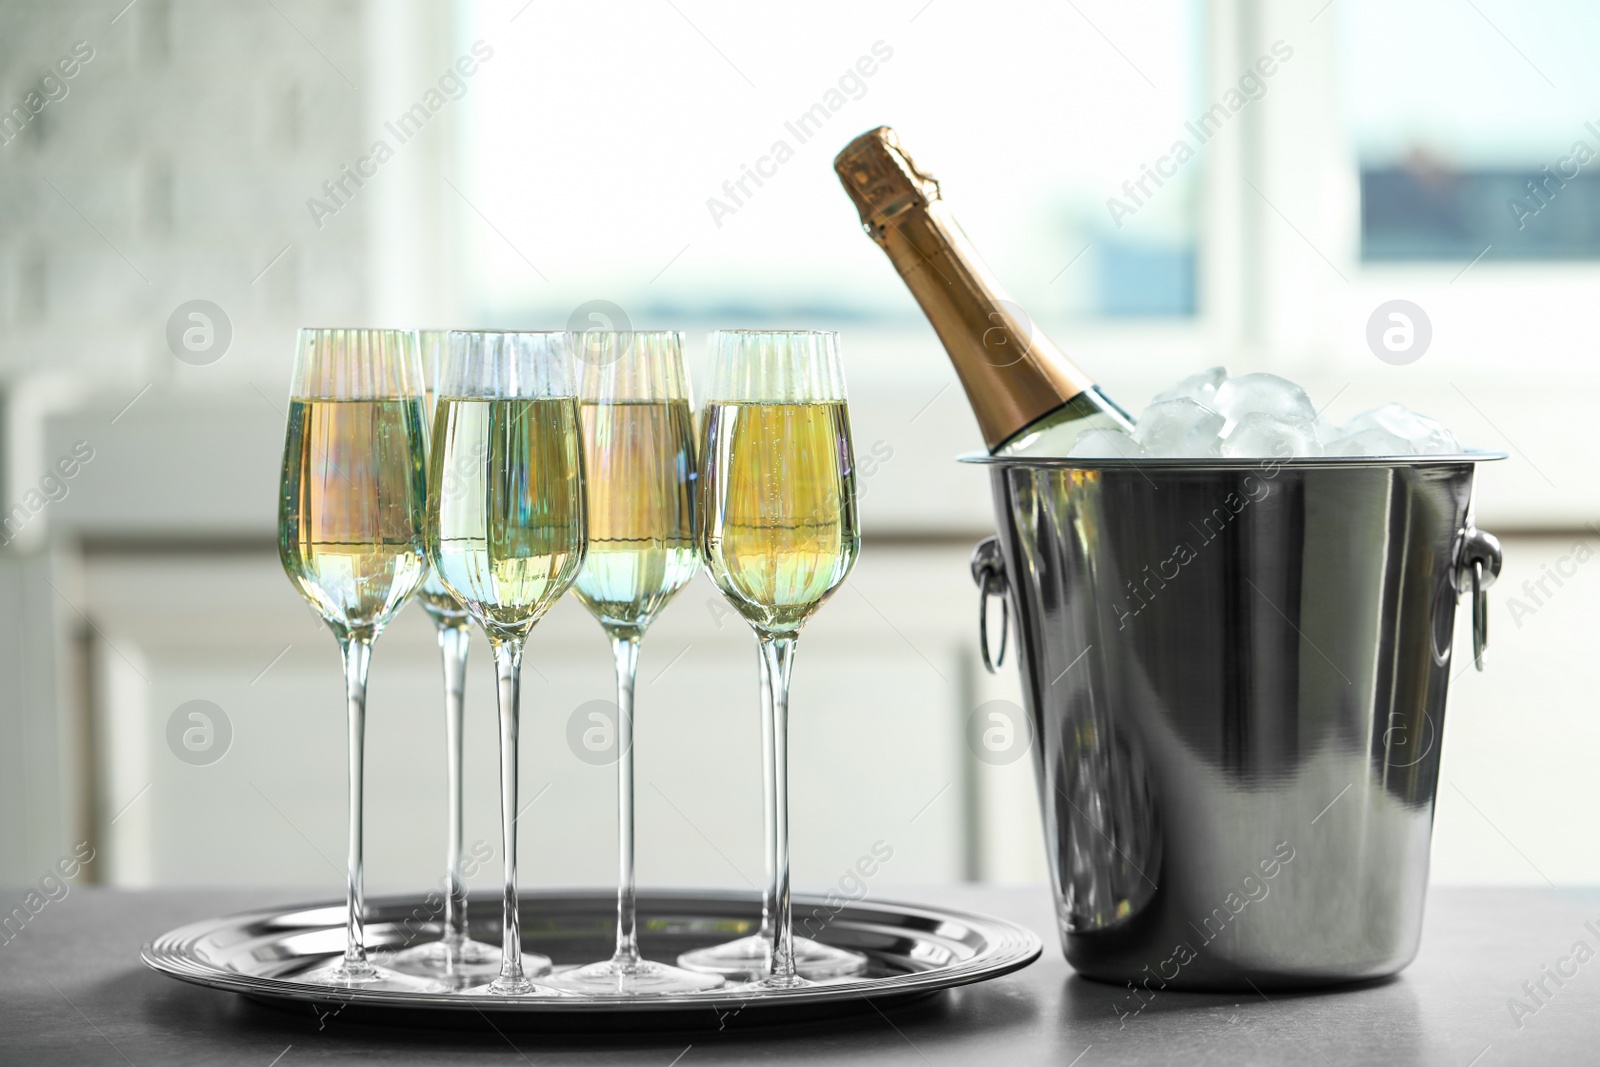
1237 672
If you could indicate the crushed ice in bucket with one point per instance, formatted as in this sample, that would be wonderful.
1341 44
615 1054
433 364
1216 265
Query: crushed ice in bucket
1260 415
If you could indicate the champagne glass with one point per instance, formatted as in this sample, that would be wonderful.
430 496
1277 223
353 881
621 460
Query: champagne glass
638 440
779 533
507 531
455 954
351 536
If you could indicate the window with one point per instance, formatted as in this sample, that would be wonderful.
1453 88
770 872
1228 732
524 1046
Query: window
1470 128
716 201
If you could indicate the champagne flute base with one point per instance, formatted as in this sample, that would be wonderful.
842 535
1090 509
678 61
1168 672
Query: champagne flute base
749 957
640 978
513 987
468 958
338 974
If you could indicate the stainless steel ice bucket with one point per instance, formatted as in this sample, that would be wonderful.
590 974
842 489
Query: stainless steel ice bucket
1235 672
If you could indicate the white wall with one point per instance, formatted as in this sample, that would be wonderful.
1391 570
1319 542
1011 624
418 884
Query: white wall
882 686
1518 795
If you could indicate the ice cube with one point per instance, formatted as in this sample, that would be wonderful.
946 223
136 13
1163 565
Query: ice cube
1424 435
1106 444
1180 427
1266 393
1261 435
1373 441
1201 387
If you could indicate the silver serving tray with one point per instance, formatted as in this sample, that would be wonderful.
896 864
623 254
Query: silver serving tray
913 951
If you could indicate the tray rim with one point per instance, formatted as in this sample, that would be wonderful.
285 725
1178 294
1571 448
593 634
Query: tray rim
1011 947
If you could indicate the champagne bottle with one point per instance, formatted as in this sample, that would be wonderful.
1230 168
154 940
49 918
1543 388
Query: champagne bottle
1028 397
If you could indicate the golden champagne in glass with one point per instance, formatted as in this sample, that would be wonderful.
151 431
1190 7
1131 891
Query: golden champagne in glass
640 456
782 532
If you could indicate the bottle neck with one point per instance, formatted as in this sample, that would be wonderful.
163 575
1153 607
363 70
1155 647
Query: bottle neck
1012 373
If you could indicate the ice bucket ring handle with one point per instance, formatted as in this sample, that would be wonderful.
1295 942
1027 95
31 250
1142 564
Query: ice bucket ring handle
1478 560
1477 566
989 571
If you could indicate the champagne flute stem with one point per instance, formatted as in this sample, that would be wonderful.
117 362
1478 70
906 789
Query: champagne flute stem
778 653
769 803
626 958
508 671
454 637
357 654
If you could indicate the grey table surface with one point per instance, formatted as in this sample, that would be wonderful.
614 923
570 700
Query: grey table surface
72 990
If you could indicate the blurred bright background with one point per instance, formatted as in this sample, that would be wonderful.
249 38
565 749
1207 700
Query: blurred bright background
594 155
